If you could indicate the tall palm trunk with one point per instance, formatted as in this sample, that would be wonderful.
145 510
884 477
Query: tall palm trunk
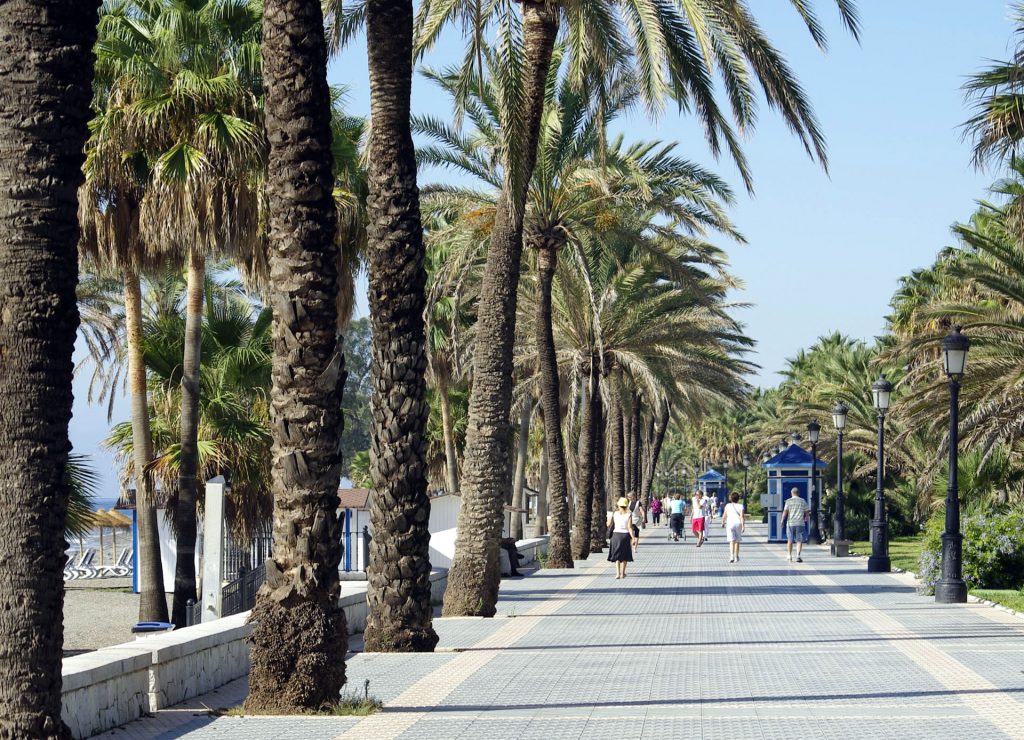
657 438
581 533
627 452
618 486
185 511
559 553
474 575
599 501
516 527
400 618
634 452
451 453
45 74
542 492
152 599
299 637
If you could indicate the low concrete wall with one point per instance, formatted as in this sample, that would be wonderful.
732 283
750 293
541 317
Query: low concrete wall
109 687
115 685
357 610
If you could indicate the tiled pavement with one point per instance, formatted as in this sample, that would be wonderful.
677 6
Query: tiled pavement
686 646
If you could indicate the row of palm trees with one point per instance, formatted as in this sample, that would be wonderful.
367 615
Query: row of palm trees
976 284
213 135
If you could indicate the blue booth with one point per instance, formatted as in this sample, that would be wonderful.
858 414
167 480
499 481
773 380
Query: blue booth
713 483
789 469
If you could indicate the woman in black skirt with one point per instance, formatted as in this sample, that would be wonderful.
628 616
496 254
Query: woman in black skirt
623 539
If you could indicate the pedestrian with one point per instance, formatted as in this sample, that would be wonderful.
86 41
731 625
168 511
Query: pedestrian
656 511
795 515
639 517
676 509
623 540
734 519
697 517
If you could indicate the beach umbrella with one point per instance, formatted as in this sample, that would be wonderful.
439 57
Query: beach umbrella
117 521
99 518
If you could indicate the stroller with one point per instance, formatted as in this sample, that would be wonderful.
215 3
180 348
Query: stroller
677 526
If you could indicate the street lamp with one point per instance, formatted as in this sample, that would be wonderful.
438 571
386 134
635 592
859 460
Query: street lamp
813 433
839 412
879 562
782 446
951 588
746 466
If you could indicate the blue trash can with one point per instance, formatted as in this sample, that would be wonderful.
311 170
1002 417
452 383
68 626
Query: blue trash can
148 629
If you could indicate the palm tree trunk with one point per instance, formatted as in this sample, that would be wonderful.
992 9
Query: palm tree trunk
599 500
185 511
618 487
583 519
474 576
299 637
542 492
646 463
559 553
152 599
627 452
400 618
634 453
45 75
451 453
657 438
516 527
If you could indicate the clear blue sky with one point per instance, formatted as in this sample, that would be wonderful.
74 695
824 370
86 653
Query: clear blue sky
825 251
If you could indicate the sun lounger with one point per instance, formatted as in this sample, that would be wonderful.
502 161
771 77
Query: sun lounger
119 569
76 567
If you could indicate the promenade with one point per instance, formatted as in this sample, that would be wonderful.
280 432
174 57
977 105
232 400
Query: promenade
687 646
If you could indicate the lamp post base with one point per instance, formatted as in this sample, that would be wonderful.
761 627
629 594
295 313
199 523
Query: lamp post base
951 592
879 564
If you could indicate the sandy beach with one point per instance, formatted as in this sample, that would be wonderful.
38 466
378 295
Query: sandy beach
98 613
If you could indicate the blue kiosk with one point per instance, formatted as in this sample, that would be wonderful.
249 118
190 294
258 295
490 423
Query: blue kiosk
789 469
713 483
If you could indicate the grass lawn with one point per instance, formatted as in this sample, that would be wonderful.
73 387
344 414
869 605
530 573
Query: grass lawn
1008 598
904 552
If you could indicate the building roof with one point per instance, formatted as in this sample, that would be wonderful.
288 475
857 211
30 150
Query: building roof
353 498
711 475
793 456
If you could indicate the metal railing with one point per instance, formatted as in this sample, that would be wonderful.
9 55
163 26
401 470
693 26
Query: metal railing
240 595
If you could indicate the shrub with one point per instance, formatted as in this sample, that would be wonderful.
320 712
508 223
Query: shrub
993 549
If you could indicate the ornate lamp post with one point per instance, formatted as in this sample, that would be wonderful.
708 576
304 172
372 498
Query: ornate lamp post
951 588
746 466
839 412
879 560
813 433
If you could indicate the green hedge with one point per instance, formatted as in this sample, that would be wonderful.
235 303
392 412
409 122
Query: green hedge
993 549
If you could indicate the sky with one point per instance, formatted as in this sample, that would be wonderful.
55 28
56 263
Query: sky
825 252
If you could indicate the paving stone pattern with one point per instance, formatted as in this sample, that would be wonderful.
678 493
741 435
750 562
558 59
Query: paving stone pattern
687 646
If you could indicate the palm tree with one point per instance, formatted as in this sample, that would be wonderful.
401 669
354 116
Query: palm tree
997 126
600 37
182 93
234 430
299 636
400 613
45 73
573 200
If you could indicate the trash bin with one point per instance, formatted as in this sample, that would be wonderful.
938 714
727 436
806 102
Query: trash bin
148 629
